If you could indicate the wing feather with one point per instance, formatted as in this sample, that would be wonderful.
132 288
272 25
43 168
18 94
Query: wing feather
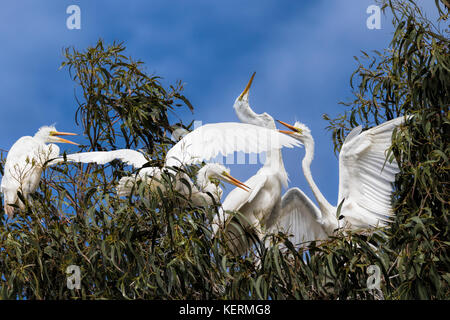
130 157
211 140
300 218
366 177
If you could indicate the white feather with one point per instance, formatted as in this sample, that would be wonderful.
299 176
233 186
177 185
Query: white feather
211 140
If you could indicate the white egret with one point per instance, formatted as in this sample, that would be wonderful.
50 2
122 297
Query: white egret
25 162
206 184
365 177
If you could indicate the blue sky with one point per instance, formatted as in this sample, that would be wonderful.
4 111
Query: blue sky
302 52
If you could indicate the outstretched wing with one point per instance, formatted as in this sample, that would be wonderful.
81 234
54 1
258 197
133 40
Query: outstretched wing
225 138
130 157
366 177
299 218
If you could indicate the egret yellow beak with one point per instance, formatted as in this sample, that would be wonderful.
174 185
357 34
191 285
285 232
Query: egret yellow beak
247 88
62 140
294 129
235 182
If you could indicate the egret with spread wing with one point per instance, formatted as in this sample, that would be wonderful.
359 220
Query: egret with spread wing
365 176
25 162
152 176
202 144
130 157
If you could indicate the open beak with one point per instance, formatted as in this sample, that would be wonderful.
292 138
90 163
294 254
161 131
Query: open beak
247 88
294 129
62 140
235 182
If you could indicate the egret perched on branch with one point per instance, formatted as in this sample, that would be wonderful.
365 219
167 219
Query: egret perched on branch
202 144
206 184
365 176
25 162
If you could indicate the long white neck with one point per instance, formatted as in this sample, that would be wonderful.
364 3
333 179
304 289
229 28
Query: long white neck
274 158
326 208
274 162
246 114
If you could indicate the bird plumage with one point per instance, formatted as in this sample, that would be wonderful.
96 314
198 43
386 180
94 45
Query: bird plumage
24 164
365 177
211 140
152 176
202 144
263 203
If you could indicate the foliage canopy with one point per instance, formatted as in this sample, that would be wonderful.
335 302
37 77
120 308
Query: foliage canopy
159 245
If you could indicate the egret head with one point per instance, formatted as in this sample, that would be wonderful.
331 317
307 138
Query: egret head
246 114
49 134
213 172
243 97
299 130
